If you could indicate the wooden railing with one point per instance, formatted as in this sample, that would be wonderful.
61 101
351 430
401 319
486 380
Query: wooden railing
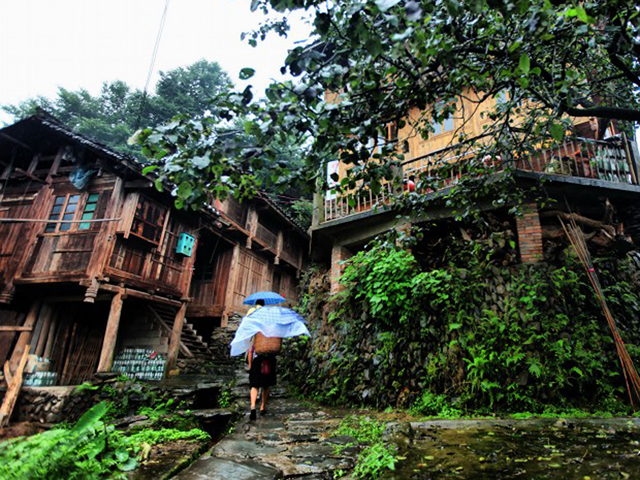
269 238
580 158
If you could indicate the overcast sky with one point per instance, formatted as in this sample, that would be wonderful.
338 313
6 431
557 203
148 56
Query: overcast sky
46 44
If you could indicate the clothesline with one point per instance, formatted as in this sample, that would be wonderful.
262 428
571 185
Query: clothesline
38 220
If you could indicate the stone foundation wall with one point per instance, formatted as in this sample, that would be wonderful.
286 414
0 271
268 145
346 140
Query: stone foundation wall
49 404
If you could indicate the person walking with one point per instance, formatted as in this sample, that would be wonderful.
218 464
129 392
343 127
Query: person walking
260 334
262 367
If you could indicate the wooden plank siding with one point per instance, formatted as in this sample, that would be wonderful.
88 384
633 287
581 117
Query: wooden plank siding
10 234
209 288
250 278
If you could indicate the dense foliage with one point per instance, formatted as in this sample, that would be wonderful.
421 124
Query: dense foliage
386 58
93 447
469 336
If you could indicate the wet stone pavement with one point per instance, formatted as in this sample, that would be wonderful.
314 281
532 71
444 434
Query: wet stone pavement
292 440
295 440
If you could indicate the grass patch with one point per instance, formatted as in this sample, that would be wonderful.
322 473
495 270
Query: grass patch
377 455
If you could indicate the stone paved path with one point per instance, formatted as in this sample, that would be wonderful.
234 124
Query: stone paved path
292 440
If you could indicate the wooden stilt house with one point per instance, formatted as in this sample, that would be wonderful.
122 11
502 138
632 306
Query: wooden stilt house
98 271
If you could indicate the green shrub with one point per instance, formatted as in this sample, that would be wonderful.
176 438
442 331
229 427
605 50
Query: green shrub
90 449
377 455
434 405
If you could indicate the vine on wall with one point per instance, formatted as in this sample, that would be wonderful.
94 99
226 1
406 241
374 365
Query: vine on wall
469 336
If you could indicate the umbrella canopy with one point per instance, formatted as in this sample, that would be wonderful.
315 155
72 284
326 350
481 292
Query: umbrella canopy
270 298
271 322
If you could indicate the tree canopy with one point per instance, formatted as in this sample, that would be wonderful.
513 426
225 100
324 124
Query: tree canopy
114 115
384 57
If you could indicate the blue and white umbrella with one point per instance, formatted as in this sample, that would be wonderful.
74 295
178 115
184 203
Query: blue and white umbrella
270 298
271 322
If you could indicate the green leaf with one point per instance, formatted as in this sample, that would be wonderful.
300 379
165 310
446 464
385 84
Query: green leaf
148 169
514 46
90 418
129 465
385 5
246 73
454 326
158 184
524 64
185 190
582 14
557 131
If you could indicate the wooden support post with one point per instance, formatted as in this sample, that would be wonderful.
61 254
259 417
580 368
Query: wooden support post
279 245
51 336
111 334
231 285
252 224
47 313
174 342
25 337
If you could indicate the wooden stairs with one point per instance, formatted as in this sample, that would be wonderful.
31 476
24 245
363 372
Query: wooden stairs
191 344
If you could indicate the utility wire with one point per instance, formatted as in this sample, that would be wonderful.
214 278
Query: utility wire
143 102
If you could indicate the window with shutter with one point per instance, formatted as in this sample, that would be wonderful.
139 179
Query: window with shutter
148 220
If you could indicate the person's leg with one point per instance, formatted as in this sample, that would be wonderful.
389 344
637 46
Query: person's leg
254 398
265 398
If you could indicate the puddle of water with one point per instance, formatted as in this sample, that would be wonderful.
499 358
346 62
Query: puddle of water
506 452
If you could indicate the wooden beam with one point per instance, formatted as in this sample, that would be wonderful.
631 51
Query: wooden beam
105 297
16 141
111 334
25 337
174 341
142 295
12 328
7 373
11 396
137 184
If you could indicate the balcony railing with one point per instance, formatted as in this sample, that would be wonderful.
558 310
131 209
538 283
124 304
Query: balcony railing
579 158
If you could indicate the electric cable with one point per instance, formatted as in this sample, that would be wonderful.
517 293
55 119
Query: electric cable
143 101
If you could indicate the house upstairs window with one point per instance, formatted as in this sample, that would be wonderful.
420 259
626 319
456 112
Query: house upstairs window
148 221
446 126
64 208
89 211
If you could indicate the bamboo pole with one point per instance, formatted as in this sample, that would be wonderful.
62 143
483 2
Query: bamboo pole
631 377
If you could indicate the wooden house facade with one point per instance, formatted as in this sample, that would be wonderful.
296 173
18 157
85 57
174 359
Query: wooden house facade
98 270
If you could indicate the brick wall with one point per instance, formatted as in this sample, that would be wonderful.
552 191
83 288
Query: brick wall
530 234
338 254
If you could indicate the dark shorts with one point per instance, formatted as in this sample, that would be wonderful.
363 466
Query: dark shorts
263 371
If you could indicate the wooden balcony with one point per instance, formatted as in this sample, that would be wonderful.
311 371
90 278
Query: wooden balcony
605 163
135 264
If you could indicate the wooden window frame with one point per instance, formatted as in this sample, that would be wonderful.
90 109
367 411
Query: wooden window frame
159 226
77 214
